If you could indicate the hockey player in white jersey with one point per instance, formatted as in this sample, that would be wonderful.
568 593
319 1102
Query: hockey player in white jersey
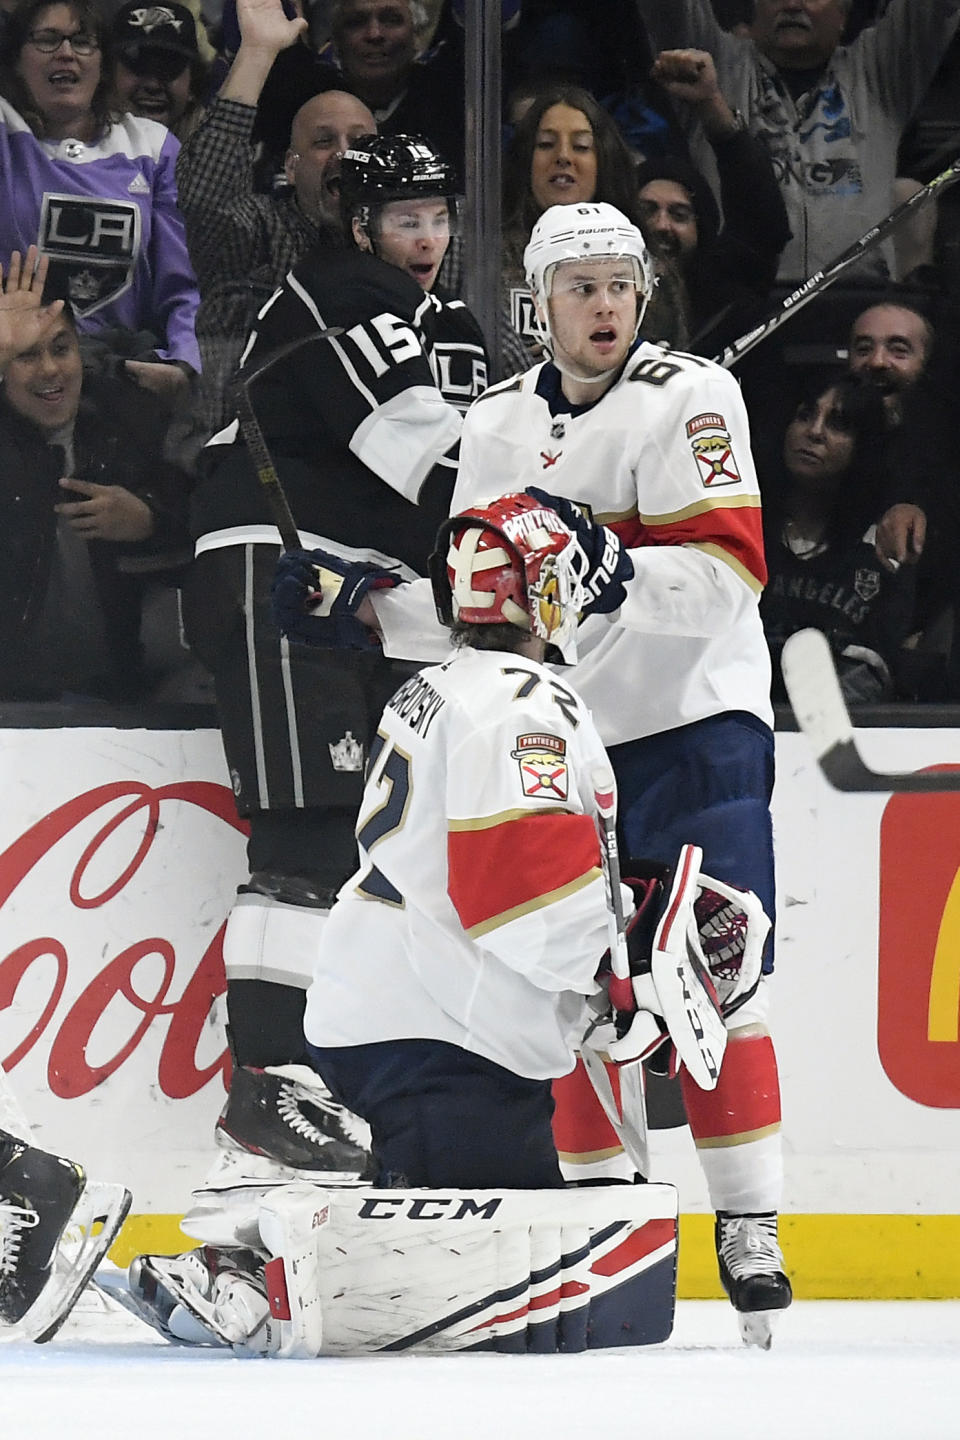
445 1009
464 960
654 448
673 664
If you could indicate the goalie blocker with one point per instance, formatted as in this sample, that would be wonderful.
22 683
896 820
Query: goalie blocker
349 1272
695 951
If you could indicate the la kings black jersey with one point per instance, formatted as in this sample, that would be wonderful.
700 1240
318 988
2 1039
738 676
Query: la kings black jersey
363 424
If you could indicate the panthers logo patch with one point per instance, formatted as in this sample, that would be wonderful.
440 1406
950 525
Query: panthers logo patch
542 759
713 451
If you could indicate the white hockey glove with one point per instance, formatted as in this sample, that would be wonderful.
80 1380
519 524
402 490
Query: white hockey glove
695 948
733 928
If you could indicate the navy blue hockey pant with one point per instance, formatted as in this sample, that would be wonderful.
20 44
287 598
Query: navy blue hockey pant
442 1116
706 784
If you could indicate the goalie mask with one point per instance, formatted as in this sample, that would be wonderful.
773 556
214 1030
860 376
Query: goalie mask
583 233
511 562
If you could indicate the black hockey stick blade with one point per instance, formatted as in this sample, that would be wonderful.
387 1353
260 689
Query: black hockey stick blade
816 283
821 711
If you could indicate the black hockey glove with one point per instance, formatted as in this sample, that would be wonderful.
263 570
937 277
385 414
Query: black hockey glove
315 596
609 566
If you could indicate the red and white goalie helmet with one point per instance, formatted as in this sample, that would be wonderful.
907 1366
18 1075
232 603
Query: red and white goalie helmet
511 562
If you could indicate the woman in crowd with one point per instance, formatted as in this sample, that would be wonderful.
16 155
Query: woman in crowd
822 496
94 190
566 150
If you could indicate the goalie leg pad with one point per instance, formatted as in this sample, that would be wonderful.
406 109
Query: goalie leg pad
451 1270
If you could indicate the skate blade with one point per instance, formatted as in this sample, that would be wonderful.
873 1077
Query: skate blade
756 1327
178 1327
188 1319
91 1230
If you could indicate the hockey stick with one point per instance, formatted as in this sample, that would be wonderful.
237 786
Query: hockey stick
631 1124
256 444
819 281
818 703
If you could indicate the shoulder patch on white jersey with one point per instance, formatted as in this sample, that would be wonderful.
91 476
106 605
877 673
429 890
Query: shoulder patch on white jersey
501 388
542 759
712 447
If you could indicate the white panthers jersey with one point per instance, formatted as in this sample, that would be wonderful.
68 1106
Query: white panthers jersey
664 458
478 913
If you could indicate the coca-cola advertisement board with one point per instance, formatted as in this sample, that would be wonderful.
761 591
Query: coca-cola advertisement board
120 852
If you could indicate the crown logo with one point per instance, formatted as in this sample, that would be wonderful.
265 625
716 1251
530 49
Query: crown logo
84 286
347 754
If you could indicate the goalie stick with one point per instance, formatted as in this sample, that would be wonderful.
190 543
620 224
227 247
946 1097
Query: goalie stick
819 281
630 1122
811 680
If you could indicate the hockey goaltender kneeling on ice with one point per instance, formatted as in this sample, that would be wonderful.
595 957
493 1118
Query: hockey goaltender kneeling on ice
484 940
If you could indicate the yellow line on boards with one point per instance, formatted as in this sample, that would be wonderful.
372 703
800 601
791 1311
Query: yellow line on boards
842 1257
828 1257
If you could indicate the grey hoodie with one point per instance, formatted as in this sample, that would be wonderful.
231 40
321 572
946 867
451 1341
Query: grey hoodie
835 150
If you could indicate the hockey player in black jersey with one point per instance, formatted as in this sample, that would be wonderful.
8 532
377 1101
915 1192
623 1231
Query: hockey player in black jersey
361 421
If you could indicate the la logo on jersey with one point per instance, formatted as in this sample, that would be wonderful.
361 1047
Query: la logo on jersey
93 246
713 450
543 766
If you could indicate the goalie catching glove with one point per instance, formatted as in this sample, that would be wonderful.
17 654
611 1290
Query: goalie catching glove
608 564
315 596
695 949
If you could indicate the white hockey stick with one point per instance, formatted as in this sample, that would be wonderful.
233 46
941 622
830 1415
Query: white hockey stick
631 1124
815 284
811 680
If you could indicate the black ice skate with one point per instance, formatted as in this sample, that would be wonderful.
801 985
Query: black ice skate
38 1194
286 1113
751 1271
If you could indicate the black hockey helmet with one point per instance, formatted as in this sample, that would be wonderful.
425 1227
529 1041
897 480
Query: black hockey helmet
380 168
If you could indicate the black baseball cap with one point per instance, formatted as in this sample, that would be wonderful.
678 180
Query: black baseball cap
139 28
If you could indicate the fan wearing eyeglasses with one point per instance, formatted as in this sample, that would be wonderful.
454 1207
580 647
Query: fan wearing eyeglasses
95 191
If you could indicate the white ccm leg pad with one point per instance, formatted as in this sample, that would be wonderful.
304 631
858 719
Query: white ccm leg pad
364 1270
679 985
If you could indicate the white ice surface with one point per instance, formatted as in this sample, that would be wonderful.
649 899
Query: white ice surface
837 1371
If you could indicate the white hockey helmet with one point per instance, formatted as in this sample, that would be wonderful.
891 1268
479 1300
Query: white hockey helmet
583 232
512 562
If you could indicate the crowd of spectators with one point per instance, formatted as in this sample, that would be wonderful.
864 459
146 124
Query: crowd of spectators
173 162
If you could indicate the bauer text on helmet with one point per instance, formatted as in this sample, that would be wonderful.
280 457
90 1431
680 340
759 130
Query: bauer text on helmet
584 234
